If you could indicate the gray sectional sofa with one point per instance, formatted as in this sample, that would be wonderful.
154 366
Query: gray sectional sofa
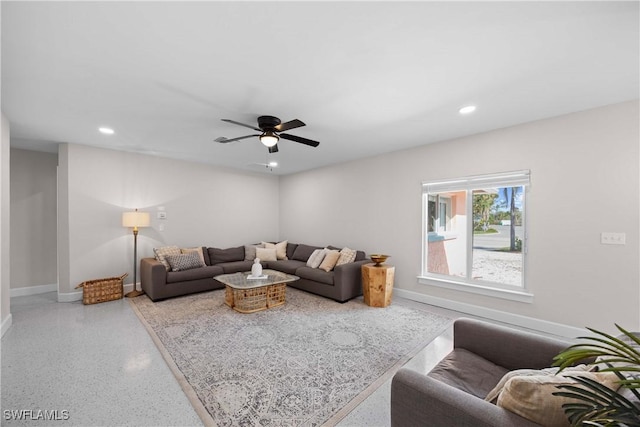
341 284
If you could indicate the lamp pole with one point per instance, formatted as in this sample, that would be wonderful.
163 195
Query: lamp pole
134 220
135 292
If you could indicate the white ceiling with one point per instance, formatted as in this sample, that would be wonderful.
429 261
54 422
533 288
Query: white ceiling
366 77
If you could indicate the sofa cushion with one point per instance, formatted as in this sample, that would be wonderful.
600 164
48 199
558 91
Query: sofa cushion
218 256
468 372
291 248
286 266
266 254
236 266
315 274
185 261
303 252
316 258
194 274
205 254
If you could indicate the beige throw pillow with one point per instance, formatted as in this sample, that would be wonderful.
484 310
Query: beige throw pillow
161 254
531 396
493 394
346 256
281 248
266 254
330 260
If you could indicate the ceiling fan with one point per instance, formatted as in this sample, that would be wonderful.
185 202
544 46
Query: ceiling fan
270 129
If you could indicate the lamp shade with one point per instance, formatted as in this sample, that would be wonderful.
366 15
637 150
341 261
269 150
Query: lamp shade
269 139
135 219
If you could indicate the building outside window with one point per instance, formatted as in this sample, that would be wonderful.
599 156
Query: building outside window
474 230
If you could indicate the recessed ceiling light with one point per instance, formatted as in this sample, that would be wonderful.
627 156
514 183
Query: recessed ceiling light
273 164
106 131
468 109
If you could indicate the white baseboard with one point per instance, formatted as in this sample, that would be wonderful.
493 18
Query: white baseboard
33 290
553 328
77 296
6 324
69 296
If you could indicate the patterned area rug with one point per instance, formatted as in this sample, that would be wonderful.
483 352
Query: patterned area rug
308 362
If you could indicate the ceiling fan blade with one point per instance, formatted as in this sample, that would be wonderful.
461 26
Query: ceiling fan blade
224 140
241 124
300 139
273 149
289 125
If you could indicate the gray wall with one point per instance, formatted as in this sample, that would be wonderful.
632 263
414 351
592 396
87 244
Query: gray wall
33 218
584 180
5 251
205 206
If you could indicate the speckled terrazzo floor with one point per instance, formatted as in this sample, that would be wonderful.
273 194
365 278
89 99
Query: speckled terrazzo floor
97 366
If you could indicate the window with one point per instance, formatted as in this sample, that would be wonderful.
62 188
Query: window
474 230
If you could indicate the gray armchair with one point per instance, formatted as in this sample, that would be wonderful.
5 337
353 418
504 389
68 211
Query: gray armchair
453 393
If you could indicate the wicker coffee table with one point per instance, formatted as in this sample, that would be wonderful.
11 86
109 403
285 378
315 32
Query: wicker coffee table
247 295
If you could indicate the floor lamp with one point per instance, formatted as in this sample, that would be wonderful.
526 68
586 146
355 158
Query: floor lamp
134 220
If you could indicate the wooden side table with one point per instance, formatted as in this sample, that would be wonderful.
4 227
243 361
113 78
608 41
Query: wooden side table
377 284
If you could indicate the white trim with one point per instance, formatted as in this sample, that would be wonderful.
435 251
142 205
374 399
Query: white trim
504 179
33 290
69 296
513 295
6 324
553 328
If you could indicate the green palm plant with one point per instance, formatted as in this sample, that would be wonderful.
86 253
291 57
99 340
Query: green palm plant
595 404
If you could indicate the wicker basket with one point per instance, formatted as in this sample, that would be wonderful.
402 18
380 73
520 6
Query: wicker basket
101 290
256 299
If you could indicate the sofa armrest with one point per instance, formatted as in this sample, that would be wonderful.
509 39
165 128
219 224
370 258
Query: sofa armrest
153 276
507 347
418 400
348 278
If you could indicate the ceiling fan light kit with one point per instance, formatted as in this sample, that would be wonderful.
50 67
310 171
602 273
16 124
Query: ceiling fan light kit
269 139
271 129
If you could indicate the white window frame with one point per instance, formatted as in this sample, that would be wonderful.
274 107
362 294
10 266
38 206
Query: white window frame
465 284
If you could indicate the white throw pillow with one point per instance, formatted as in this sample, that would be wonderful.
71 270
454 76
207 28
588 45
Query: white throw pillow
346 256
281 248
266 254
316 258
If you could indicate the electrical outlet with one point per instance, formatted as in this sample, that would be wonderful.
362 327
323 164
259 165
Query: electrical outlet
162 215
613 238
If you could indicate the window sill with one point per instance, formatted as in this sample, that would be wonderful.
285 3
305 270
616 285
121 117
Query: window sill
487 290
